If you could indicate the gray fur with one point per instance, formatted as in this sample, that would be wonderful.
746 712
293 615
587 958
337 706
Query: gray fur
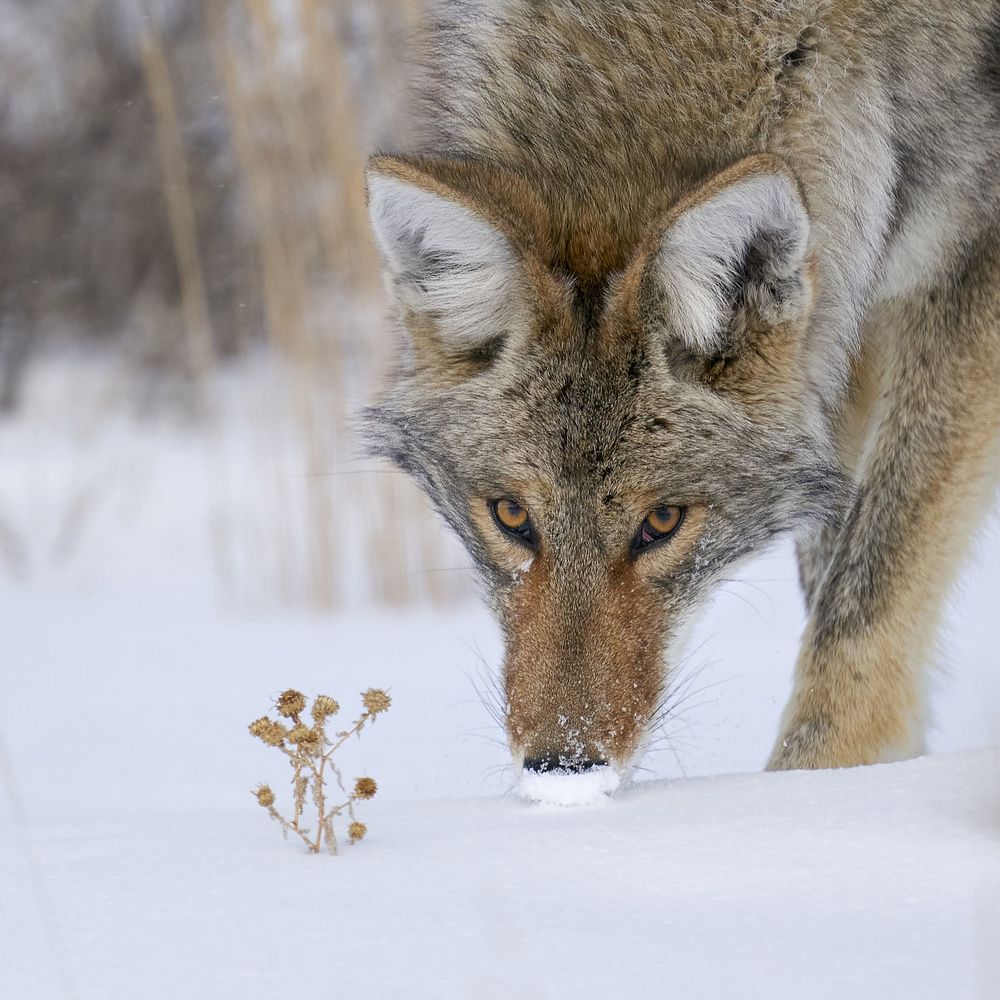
821 360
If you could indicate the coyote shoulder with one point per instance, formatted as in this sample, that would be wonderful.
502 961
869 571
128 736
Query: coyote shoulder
675 279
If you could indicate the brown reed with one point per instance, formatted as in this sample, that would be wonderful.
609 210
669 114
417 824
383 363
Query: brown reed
194 300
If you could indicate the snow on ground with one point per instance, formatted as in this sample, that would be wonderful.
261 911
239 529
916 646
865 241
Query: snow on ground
562 789
875 883
134 862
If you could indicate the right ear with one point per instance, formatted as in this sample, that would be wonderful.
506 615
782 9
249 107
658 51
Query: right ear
741 245
450 274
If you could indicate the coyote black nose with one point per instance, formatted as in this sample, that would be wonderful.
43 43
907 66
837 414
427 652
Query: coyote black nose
559 762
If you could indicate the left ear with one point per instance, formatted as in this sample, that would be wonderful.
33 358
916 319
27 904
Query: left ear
740 244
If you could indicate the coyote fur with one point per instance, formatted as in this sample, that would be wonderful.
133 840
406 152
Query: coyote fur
676 279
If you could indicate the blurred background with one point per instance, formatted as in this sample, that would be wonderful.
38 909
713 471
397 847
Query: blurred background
190 317
190 311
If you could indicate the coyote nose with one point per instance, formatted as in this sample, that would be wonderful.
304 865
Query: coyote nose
559 762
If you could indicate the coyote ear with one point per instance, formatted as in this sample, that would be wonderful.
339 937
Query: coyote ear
442 260
743 247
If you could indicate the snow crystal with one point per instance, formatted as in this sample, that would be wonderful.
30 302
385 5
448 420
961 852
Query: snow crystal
519 571
564 788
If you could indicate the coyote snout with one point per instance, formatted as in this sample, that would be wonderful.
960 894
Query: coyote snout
582 671
586 629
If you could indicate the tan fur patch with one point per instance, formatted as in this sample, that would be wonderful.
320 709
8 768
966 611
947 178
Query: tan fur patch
586 688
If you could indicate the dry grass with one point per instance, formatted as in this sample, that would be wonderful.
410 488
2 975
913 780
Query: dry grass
194 298
310 752
232 193
295 124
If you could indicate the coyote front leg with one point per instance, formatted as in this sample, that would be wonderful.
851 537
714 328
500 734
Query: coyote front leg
924 479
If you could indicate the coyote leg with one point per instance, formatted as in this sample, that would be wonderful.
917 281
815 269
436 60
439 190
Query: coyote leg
924 479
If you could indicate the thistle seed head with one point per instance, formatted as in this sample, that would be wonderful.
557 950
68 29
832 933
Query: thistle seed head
272 733
376 700
356 831
365 788
312 743
264 795
290 703
309 742
324 707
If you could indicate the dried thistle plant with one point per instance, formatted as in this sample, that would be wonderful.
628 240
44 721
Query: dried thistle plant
310 752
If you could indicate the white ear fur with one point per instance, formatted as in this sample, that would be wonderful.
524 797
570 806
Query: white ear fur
443 259
704 255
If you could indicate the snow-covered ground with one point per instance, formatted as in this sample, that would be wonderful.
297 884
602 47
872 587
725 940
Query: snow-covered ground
134 862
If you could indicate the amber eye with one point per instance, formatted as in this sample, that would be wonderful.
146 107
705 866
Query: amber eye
659 524
513 519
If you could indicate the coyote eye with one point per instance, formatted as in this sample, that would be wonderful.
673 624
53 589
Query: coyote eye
513 519
659 524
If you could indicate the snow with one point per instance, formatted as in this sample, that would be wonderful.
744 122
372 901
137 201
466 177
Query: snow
559 788
134 862
880 882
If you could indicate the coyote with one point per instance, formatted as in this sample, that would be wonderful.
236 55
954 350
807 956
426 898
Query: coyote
675 279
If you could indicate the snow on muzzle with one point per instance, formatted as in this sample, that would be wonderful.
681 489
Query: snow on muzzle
590 787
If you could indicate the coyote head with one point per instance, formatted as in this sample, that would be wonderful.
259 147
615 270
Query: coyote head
610 417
